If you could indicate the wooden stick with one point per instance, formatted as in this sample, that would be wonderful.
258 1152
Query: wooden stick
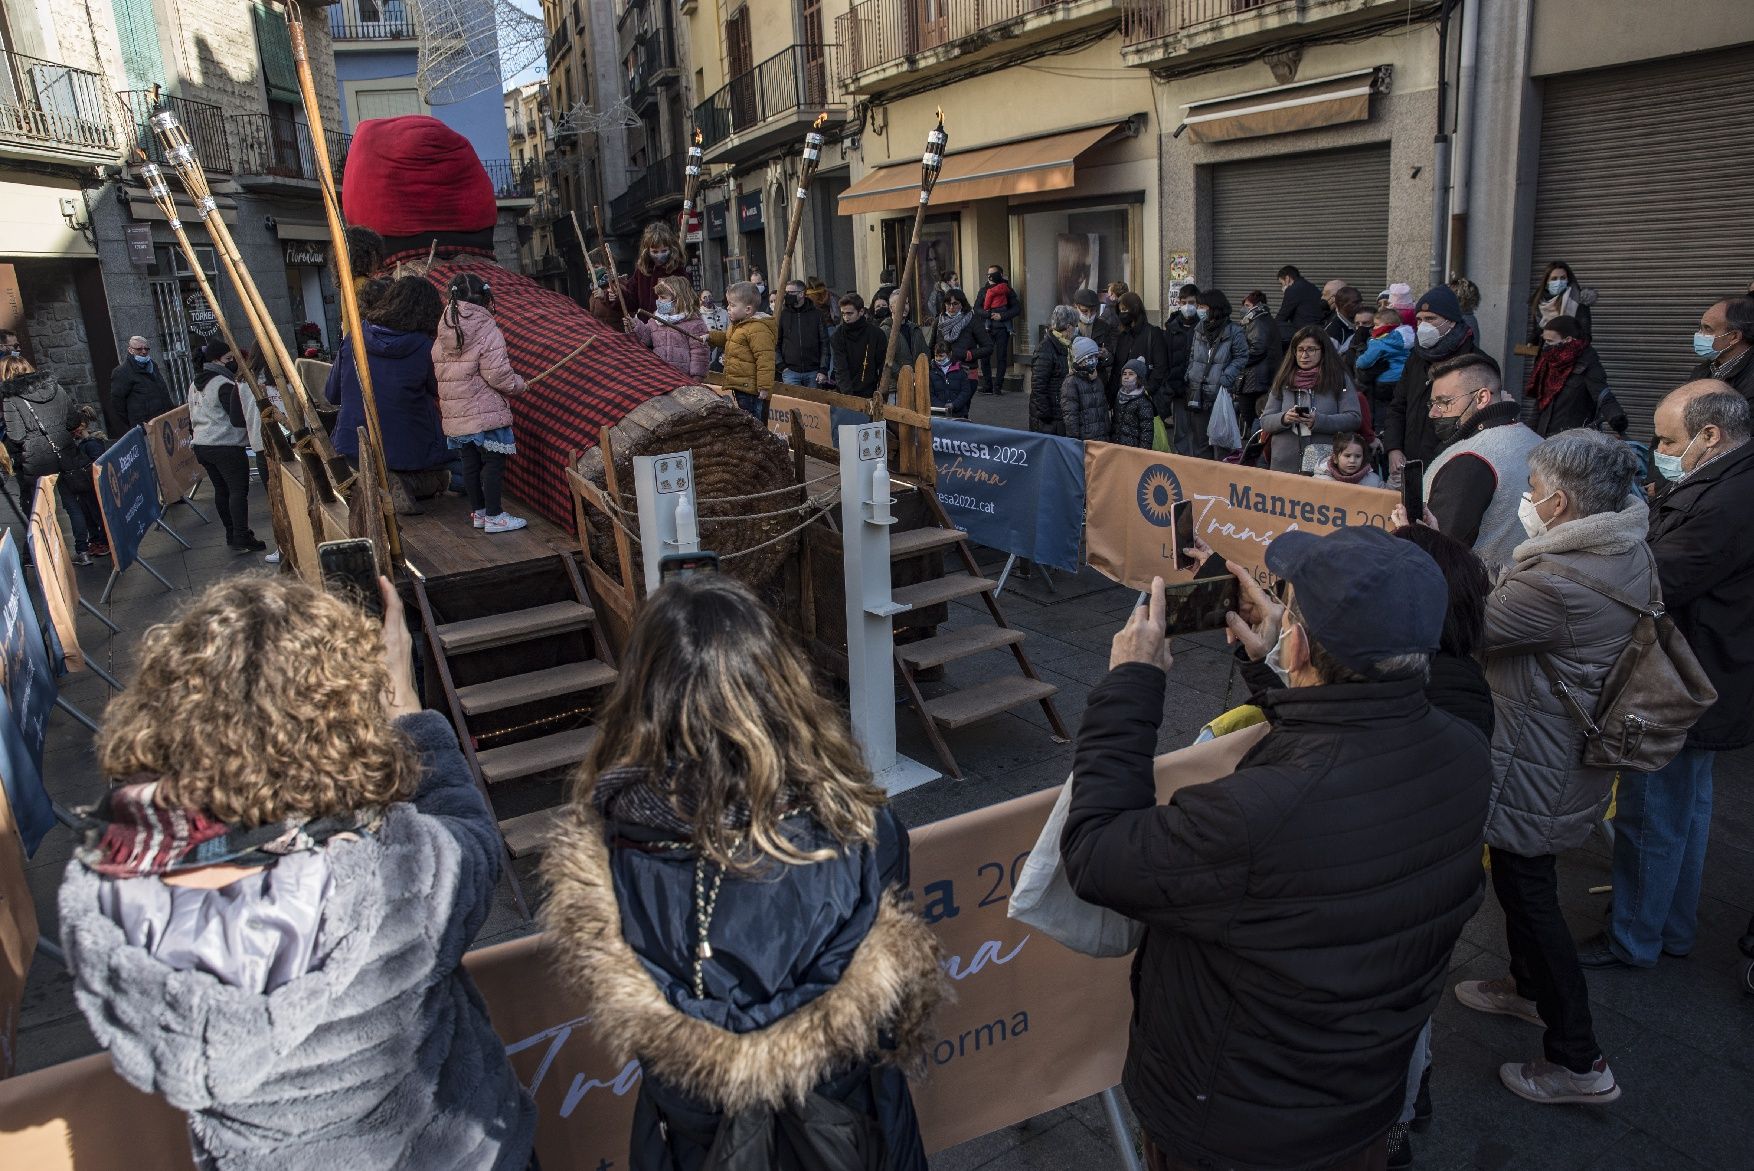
350 317
577 350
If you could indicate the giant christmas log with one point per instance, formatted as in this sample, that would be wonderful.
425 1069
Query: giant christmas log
418 184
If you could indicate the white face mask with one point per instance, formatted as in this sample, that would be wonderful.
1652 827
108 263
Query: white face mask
1528 512
1428 335
1189 309
1276 658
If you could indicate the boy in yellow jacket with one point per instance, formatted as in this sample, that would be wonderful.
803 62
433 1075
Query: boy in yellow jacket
749 346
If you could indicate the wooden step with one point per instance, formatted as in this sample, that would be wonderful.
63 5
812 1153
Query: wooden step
957 644
567 679
987 699
535 756
914 542
528 834
474 634
942 589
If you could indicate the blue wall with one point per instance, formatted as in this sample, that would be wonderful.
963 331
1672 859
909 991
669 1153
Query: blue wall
480 119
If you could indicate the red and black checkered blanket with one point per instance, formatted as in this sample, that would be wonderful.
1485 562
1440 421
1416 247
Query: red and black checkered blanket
566 410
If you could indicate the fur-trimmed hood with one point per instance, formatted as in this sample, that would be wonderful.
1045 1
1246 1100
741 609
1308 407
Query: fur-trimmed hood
891 987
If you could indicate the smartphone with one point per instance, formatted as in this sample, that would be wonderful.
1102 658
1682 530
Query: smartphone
1182 515
683 564
1199 605
1413 490
350 570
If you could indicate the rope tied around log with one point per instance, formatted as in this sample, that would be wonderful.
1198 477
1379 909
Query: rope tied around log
621 515
822 512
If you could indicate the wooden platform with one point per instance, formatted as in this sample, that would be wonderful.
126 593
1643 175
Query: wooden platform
441 541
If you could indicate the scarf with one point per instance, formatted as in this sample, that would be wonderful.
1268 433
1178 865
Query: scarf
634 793
1339 477
1303 379
1064 337
127 834
1447 345
1564 305
950 328
1552 369
1383 330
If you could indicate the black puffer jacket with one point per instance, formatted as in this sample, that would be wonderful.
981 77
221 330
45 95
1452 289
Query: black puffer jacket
1705 561
1047 373
1132 420
40 417
1286 969
1083 409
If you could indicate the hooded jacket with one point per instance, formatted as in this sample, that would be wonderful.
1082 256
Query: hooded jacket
1133 415
1265 350
216 407
383 1057
1544 799
1698 531
681 343
1084 407
1216 361
138 392
803 339
1285 971
406 394
40 417
1048 368
749 353
858 356
474 378
819 981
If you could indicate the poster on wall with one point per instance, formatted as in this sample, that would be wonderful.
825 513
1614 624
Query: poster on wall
1179 266
1079 260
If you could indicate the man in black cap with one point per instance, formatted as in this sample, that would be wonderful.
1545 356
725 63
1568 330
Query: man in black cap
1300 913
1407 432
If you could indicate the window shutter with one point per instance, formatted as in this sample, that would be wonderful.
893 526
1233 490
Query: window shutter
274 42
137 32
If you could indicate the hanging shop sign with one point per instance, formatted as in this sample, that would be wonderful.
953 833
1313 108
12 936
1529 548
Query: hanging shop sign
306 254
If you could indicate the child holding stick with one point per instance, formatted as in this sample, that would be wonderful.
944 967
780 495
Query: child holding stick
474 377
749 345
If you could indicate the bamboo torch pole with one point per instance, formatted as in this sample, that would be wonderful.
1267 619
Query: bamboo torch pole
690 189
627 314
180 153
806 173
350 319
931 163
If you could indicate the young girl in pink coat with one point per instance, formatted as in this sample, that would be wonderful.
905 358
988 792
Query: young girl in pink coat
474 377
675 332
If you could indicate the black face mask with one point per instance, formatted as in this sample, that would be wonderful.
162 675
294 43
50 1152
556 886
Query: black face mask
1446 429
992 278
881 313
795 300
1126 316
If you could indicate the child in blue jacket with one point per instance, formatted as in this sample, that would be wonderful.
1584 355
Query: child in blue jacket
1390 342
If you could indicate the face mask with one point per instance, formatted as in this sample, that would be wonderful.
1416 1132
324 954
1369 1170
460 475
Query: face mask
1129 382
943 363
1671 465
881 313
1202 314
1554 288
1527 511
1276 658
143 359
1446 429
666 306
1126 316
1086 316
660 256
1189 310
992 278
1704 347
1428 335
795 300
1545 344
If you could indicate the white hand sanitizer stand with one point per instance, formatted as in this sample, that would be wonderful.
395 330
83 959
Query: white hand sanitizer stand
663 487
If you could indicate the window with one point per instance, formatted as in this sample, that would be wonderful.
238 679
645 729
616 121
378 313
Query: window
385 103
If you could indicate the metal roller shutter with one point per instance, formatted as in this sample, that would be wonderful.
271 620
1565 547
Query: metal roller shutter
1326 212
1649 199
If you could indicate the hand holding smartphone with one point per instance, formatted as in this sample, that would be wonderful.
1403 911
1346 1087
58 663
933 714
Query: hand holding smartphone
1413 489
686 564
350 571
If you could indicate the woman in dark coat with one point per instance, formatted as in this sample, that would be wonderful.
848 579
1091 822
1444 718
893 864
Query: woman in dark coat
1567 381
1560 295
960 327
1048 369
724 894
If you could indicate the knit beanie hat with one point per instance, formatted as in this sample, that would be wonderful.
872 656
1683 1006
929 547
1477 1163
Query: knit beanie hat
413 176
1137 366
1400 295
1084 350
1441 301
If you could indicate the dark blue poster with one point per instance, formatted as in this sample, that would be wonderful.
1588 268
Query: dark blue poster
127 492
27 699
1012 490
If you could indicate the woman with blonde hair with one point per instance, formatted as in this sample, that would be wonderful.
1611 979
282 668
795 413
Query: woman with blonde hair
674 330
266 921
724 895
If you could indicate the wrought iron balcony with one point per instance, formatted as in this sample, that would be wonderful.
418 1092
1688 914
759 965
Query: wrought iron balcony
54 108
1156 30
270 149
653 62
371 20
203 121
875 34
764 106
657 187
511 179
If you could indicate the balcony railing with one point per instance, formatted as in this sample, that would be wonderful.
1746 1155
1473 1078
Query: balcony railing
653 56
877 32
364 20
658 182
265 144
46 104
511 180
204 122
792 79
1148 20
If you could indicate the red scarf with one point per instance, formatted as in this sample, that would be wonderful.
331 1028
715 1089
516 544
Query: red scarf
1335 474
1551 370
1306 379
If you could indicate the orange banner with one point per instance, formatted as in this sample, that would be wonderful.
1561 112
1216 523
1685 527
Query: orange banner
170 439
18 941
818 423
1237 510
48 547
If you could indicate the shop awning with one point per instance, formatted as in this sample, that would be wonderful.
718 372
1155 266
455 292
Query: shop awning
1302 105
295 230
1014 168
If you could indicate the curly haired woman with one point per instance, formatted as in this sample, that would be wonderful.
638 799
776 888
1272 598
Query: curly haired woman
723 896
267 920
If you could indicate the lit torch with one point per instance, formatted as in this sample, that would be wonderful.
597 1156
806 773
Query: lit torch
931 164
690 186
806 173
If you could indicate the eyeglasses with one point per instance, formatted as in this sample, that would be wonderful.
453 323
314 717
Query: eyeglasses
1306 351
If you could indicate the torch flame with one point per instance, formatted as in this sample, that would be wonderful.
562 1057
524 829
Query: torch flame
820 119
940 115
697 136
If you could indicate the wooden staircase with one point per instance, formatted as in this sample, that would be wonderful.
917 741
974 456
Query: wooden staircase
521 686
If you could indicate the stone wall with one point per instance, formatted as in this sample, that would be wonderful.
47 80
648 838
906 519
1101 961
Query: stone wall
54 325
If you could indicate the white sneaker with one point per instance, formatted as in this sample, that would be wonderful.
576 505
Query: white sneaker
1498 997
1544 1081
273 558
478 519
505 522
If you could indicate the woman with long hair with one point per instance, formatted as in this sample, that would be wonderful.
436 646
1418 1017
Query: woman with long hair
267 918
1559 295
1311 401
660 255
1566 384
723 895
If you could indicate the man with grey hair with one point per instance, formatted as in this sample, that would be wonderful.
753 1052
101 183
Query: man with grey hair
1549 627
1705 561
138 391
1474 484
1048 368
1724 344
